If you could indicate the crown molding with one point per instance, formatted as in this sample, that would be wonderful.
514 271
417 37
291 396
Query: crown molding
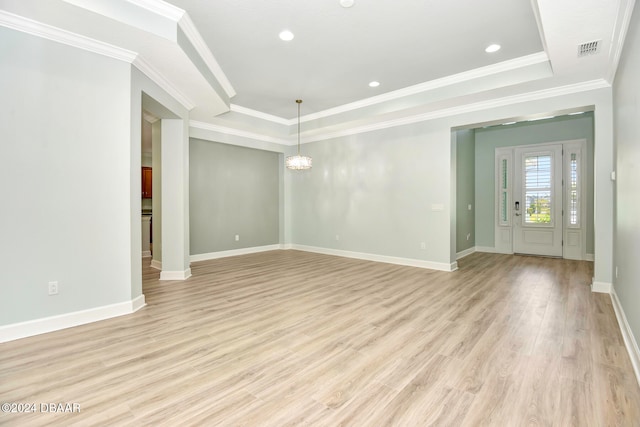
58 35
261 115
181 18
203 50
161 8
237 132
477 106
431 115
49 32
620 29
161 81
488 70
147 116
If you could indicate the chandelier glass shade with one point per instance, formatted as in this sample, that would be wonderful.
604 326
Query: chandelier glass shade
298 162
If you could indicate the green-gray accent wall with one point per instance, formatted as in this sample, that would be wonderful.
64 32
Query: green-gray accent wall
232 191
465 190
551 130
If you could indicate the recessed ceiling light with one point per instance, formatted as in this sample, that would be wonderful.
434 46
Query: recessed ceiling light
347 3
286 35
576 113
509 123
374 84
492 48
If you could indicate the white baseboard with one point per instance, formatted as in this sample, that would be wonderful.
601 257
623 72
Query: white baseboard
68 320
379 258
601 287
156 264
286 246
466 252
137 303
627 335
233 252
486 249
146 254
175 275
589 257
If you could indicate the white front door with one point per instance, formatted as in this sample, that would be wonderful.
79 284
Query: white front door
537 200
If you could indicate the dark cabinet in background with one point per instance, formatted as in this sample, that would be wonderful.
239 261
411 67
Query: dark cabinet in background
146 182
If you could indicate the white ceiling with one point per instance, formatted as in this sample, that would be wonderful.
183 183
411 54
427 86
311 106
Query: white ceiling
427 54
336 51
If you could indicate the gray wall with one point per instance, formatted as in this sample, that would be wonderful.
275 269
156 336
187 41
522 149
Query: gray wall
465 189
551 130
627 206
233 190
375 191
65 178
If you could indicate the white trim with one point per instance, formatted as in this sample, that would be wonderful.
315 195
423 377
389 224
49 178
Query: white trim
161 8
146 254
490 250
183 20
590 257
466 76
467 108
264 116
203 50
601 287
627 334
287 246
621 27
175 275
149 117
161 81
49 32
137 303
379 258
237 132
156 264
233 252
465 253
379 125
68 320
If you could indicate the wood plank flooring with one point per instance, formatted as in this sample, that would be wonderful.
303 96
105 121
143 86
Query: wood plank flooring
288 338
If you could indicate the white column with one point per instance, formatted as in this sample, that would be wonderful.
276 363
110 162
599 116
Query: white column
175 200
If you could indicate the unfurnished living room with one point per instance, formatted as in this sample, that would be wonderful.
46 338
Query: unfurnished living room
323 213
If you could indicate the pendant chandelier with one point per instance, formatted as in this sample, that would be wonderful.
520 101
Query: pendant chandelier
298 162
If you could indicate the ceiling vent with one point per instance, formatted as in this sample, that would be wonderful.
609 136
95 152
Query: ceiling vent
589 48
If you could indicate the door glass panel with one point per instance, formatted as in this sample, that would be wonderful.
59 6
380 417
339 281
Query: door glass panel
537 189
504 193
573 190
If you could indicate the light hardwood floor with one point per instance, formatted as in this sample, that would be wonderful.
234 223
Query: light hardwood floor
293 338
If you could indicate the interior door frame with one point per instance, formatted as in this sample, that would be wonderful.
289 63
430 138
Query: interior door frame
504 174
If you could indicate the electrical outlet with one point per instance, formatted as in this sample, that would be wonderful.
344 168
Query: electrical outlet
469 207
423 245
616 271
237 237
468 236
337 237
53 288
